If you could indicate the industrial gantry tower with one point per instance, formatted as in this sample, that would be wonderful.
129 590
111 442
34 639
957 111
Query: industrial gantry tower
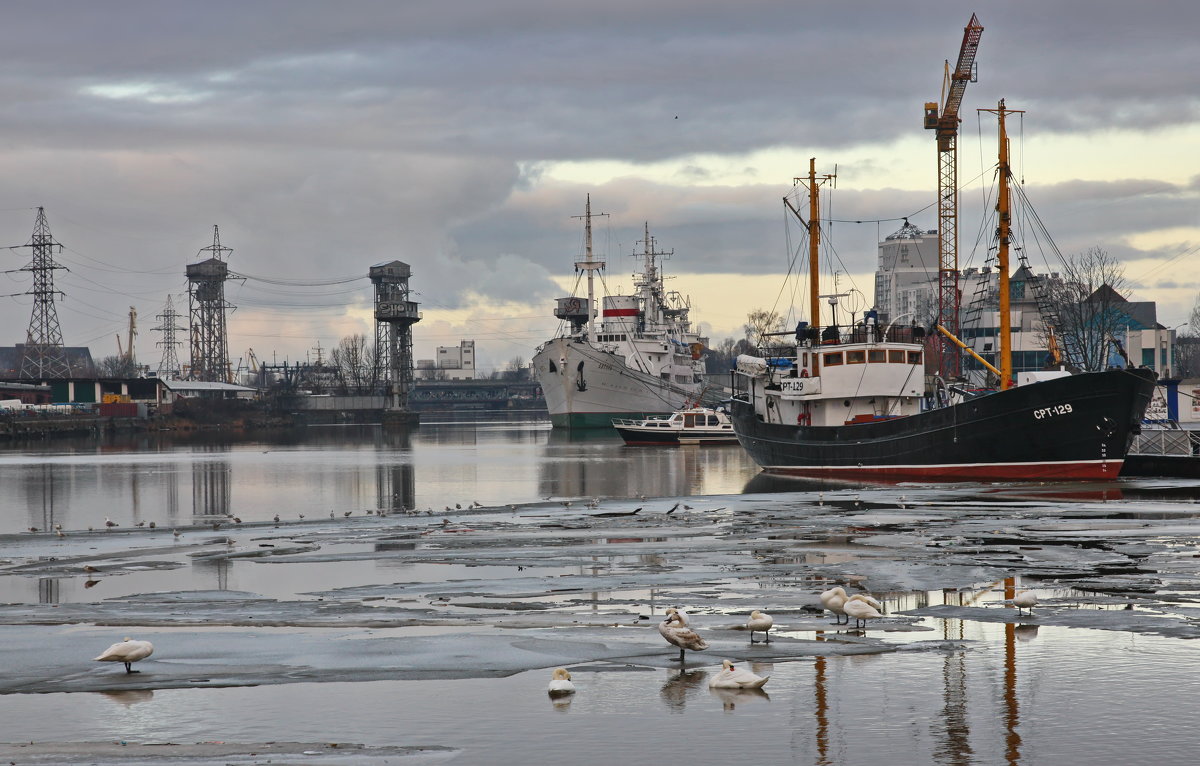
206 320
44 354
395 315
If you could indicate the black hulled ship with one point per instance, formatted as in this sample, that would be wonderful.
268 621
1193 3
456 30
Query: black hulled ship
854 402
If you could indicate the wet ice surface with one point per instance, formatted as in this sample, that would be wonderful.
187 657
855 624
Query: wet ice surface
439 630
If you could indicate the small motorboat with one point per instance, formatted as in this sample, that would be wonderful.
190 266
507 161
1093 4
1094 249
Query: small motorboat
696 425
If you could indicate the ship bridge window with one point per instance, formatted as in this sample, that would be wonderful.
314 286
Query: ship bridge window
832 360
713 420
895 356
877 357
914 357
856 357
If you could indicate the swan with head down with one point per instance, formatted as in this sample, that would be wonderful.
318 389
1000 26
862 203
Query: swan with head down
560 684
128 652
760 622
833 600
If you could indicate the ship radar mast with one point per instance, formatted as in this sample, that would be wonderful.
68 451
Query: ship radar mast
590 265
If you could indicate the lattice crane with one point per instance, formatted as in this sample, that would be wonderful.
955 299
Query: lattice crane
945 122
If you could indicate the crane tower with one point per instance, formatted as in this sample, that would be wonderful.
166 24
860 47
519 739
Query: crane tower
946 125
395 315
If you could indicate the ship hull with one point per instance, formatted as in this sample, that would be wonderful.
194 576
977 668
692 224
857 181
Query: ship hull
639 438
586 388
1077 427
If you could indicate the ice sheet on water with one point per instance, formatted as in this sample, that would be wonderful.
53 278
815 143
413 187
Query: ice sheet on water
45 660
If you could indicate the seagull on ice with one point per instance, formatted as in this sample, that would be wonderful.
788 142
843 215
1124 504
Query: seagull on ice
760 622
561 685
128 652
677 633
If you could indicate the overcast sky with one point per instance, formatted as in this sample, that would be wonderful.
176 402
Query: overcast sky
461 138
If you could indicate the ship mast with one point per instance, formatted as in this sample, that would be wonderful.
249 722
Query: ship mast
589 264
1004 235
814 240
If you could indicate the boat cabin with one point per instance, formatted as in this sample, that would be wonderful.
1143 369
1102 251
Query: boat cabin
857 377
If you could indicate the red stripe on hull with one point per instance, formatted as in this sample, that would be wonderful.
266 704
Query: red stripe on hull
620 312
1074 471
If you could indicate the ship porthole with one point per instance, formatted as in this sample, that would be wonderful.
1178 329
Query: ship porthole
846 403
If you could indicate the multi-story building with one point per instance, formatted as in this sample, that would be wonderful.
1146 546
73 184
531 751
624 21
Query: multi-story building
452 363
906 290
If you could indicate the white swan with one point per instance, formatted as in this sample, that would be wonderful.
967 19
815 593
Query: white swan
127 651
736 678
867 597
760 622
860 610
676 632
561 684
833 599
1026 599
684 618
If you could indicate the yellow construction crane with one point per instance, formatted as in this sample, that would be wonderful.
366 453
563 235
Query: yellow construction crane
944 120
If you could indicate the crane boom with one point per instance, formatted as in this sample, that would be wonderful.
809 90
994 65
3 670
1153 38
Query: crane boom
946 125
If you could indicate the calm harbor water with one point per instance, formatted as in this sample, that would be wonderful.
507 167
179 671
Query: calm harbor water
193 480
960 692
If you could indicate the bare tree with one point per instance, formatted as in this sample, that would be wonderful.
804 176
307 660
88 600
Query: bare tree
516 369
117 367
760 322
1087 307
353 362
1187 346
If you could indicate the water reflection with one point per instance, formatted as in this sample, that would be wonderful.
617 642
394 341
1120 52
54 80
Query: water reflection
181 479
211 486
128 697
731 698
680 686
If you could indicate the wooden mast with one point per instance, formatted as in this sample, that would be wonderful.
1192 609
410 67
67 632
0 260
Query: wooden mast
814 246
814 239
1004 235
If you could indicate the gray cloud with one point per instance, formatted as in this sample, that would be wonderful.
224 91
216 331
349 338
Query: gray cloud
324 138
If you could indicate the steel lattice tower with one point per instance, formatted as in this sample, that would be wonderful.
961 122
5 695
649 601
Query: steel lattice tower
206 321
169 325
395 315
44 355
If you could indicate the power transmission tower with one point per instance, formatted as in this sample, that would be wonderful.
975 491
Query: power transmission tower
44 354
206 322
168 366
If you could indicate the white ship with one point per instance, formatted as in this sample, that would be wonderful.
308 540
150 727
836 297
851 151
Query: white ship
638 357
